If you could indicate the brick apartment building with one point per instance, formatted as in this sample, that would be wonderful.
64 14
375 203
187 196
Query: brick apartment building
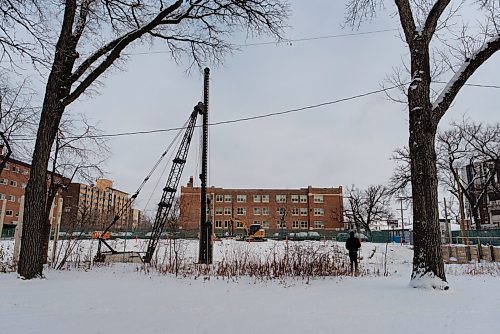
301 209
94 207
13 181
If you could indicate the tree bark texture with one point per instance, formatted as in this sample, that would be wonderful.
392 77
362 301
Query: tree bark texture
427 258
32 255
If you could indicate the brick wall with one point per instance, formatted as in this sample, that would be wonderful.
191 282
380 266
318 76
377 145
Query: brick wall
304 209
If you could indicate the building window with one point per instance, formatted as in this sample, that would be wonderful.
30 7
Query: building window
227 198
239 224
25 172
281 198
295 211
318 198
303 198
241 211
265 224
295 224
226 223
4 181
265 211
265 198
218 211
67 209
280 224
295 198
303 211
227 211
15 169
256 211
280 211
319 224
256 222
219 198
256 198
2 196
12 198
241 198
218 224
8 213
319 211
303 224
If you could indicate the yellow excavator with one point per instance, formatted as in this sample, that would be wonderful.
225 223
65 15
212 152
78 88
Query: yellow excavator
254 232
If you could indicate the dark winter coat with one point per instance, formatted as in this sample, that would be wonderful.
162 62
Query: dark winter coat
352 244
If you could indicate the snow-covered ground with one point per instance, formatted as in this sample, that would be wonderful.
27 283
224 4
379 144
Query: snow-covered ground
124 299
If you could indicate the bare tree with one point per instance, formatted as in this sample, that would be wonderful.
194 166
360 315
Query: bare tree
79 152
423 22
102 30
365 207
17 118
23 32
475 148
465 146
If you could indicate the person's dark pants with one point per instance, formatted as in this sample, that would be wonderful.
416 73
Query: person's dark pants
353 256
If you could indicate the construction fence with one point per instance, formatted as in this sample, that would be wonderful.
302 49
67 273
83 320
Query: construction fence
470 253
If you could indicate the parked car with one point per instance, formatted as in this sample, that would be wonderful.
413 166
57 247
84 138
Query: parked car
282 235
342 237
361 237
313 235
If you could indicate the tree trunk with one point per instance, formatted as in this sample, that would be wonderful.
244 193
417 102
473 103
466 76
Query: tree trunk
427 258
58 87
35 219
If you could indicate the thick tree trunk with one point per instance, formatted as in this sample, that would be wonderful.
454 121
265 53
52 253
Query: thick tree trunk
428 265
31 258
427 258
32 255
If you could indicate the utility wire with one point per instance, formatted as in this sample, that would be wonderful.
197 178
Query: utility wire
244 119
284 41
250 118
318 37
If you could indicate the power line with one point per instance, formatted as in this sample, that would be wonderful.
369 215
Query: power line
250 118
285 41
243 119
314 38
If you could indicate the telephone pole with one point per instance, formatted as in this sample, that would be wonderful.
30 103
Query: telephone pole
402 219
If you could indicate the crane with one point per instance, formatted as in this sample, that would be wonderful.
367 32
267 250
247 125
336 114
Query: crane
167 199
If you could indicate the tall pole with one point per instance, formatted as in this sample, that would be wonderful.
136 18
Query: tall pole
205 254
2 215
448 229
462 213
402 221
19 233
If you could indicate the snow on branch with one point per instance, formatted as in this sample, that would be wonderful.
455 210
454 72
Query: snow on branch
448 94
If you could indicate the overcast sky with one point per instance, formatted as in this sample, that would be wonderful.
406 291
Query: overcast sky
335 145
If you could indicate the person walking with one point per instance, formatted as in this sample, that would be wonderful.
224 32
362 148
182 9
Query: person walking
353 244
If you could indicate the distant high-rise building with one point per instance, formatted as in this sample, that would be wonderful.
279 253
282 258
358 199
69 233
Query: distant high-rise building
95 206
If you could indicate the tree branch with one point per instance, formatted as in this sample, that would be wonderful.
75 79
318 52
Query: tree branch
444 100
433 18
407 20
